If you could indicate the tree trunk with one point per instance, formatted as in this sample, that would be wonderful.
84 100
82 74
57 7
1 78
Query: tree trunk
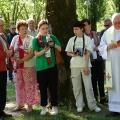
61 14
96 11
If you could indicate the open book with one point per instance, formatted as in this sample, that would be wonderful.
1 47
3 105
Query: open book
114 42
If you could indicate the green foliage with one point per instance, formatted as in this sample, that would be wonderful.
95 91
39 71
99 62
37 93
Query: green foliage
97 10
81 9
117 4
14 10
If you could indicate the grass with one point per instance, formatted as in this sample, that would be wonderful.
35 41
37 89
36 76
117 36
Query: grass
64 113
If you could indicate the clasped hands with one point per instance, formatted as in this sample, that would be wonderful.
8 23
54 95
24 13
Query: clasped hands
19 61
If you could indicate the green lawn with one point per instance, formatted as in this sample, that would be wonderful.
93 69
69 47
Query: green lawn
64 113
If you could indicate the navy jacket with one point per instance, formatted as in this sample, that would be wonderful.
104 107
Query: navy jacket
9 37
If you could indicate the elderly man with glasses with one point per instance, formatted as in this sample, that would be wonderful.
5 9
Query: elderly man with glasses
5 53
110 50
9 38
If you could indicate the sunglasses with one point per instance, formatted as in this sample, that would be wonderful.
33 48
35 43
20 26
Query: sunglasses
13 28
106 25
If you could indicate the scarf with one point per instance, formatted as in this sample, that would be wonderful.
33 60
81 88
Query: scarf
21 51
47 56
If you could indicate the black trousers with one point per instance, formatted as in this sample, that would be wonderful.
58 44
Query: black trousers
3 82
97 78
48 78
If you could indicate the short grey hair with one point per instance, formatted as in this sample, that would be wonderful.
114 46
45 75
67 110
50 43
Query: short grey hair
30 20
115 15
107 20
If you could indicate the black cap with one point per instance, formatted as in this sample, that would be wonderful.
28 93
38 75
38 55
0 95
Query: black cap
78 24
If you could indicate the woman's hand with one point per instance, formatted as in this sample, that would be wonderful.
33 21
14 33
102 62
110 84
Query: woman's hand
86 71
46 49
19 61
9 53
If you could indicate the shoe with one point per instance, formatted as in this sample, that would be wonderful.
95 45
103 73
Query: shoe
112 114
97 109
10 80
96 98
49 107
106 91
79 109
6 114
103 100
17 108
54 111
44 110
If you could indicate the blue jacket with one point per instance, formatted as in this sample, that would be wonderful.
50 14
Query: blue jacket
9 37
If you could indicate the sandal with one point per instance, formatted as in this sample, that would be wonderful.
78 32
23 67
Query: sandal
17 108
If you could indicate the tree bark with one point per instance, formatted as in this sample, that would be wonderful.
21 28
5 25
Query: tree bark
61 14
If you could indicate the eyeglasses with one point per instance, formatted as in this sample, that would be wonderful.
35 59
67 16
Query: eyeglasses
106 25
13 28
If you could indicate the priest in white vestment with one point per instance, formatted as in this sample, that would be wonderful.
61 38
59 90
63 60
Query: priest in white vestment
110 51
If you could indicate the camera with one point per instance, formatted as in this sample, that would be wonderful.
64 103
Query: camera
80 52
76 51
43 44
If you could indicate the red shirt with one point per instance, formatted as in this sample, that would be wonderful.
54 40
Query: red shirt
3 56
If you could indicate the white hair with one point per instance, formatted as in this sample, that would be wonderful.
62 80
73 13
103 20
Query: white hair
115 15
30 19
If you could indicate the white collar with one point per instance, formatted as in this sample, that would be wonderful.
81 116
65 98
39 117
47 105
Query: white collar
117 30
31 30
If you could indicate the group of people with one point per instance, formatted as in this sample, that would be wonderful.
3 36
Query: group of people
33 61
25 55
90 57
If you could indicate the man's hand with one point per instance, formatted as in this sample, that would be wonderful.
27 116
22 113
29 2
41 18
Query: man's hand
74 55
9 53
111 46
95 48
86 71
